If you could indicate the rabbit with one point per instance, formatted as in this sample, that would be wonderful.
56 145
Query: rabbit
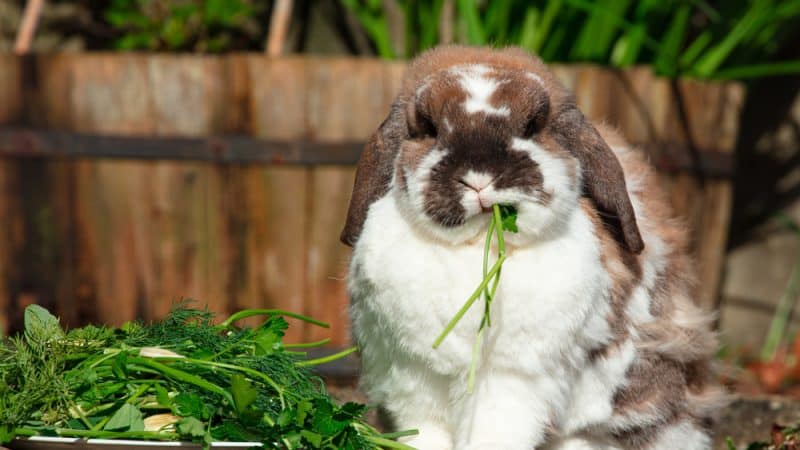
595 341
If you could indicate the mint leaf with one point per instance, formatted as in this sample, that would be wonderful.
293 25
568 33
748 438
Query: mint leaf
40 325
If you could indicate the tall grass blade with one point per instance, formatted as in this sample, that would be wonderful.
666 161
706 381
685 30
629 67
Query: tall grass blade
542 32
693 51
666 62
468 10
749 24
759 70
530 25
595 38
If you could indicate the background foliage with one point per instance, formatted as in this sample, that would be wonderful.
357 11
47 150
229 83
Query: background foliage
724 39
738 39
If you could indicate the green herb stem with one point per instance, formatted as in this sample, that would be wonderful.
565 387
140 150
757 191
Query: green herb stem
498 219
22 431
148 435
327 359
269 312
470 301
319 343
399 434
487 248
183 376
473 367
253 373
387 443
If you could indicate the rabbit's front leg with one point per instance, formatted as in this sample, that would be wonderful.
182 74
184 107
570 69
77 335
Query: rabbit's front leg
507 410
416 398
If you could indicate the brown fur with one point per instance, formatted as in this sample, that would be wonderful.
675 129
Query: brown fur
672 374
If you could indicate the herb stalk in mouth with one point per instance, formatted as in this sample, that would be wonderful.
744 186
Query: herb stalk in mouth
504 218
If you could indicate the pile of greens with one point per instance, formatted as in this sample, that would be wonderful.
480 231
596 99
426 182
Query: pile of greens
182 378
504 218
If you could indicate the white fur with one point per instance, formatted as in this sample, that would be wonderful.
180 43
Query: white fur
477 180
683 435
479 88
405 289
479 193
580 443
593 394
535 78
412 204
546 219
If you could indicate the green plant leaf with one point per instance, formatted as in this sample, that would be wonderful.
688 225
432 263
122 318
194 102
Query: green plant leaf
759 70
468 10
40 325
185 405
191 426
314 439
666 62
244 394
162 396
543 31
127 418
509 218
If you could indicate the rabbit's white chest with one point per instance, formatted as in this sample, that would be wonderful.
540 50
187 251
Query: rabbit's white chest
405 289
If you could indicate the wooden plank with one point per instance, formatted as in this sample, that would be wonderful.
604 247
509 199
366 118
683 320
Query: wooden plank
41 143
10 111
42 196
10 89
11 225
146 225
265 206
713 110
111 95
188 100
347 100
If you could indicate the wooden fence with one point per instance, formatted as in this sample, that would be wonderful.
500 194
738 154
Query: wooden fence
106 239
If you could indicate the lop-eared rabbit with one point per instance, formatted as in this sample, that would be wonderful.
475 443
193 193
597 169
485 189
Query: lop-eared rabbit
595 340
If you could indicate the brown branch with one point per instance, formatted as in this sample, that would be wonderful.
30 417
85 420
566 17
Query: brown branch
278 26
27 29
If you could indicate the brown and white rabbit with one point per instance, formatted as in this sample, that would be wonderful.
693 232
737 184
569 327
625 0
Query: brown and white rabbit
595 341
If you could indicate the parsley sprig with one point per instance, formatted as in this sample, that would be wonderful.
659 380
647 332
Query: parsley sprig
504 218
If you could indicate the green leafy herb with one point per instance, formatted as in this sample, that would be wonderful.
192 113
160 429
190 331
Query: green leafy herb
127 418
504 218
209 382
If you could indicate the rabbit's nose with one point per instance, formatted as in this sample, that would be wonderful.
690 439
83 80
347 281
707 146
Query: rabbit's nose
486 205
477 181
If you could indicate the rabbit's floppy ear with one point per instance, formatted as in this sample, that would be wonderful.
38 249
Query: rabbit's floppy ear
374 171
603 178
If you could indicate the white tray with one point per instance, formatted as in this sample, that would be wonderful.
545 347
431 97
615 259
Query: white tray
59 443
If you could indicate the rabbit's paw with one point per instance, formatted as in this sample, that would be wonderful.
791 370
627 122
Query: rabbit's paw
430 438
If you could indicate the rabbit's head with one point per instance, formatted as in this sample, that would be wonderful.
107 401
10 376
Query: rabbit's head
477 127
